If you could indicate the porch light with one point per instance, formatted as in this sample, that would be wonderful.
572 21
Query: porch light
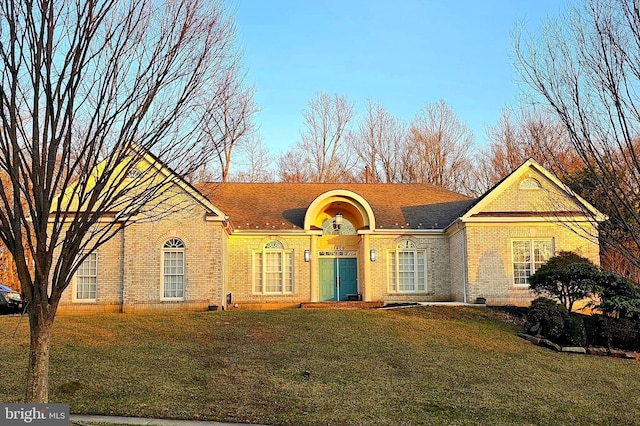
337 222
307 256
372 255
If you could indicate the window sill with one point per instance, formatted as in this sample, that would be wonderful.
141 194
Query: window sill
520 287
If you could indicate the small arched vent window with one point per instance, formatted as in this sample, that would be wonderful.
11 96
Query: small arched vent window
274 244
530 183
407 244
134 173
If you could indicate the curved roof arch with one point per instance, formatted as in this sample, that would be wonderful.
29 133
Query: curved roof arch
331 200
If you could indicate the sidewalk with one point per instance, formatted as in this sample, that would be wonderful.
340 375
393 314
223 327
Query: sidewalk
80 419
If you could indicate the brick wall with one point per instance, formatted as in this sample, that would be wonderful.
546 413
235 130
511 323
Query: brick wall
438 276
130 264
239 270
457 242
490 257
516 199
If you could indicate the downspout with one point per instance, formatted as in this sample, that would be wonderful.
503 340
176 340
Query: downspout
225 234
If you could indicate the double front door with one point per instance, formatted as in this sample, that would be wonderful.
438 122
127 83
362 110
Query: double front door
338 278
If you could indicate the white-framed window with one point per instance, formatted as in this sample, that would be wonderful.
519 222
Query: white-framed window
273 269
86 283
528 256
407 269
173 270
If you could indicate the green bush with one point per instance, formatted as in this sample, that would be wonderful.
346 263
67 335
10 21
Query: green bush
619 297
546 317
566 277
593 330
620 333
574 333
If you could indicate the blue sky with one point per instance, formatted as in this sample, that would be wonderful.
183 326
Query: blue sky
403 53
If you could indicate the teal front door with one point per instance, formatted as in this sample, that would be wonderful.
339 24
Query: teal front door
338 278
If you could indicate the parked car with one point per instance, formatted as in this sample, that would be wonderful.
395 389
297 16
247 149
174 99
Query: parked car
10 300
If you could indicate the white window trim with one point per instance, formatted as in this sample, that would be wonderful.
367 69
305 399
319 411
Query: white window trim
74 292
532 260
287 256
184 271
394 253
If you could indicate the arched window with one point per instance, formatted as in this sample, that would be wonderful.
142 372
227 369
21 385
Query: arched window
407 269
173 270
273 269
346 228
530 183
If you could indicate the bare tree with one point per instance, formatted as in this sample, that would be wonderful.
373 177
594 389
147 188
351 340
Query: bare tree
229 120
518 136
255 162
80 81
439 149
378 142
586 68
323 141
293 167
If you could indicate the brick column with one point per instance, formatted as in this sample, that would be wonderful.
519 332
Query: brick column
366 270
313 268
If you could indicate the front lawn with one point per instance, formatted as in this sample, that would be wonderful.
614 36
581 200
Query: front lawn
424 365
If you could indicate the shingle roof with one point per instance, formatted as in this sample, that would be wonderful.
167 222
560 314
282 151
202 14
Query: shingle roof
282 206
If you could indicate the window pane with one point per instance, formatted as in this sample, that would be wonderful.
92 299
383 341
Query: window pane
258 273
542 253
392 271
528 256
406 270
521 273
87 278
173 274
289 276
521 251
273 272
521 262
421 271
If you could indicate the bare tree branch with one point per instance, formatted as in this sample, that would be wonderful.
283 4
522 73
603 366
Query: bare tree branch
585 68
439 149
323 142
89 91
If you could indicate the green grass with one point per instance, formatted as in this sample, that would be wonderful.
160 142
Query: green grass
427 365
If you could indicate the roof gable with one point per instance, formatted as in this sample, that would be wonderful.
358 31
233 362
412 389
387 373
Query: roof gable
161 175
189 189
531 191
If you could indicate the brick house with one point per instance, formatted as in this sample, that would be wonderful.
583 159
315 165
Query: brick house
261 245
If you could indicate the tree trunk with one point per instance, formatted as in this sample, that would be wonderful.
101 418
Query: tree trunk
41 326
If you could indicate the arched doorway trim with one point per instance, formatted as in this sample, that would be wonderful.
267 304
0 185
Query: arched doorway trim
351 202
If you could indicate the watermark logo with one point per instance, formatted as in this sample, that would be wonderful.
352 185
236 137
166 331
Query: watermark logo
34 414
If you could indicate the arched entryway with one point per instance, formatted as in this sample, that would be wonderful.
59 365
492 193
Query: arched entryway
338 260
339 222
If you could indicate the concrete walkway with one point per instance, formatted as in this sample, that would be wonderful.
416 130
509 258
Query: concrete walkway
85 419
